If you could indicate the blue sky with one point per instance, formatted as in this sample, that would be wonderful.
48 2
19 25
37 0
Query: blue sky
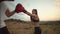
47 10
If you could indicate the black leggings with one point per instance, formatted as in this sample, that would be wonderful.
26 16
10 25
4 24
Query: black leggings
37 30
4 30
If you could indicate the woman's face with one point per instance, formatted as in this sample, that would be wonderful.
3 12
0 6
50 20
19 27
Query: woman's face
33 12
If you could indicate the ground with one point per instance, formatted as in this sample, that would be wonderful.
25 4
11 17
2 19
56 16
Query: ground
17 27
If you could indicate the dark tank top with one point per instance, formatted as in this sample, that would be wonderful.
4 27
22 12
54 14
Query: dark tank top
34 20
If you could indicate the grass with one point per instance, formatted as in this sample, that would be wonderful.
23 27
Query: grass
28 28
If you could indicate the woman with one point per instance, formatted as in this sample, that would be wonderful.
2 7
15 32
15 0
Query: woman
36 22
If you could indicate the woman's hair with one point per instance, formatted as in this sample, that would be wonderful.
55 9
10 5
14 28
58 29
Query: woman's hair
33 19
35 11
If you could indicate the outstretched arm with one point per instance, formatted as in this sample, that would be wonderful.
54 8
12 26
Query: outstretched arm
19 8
28 13
8 13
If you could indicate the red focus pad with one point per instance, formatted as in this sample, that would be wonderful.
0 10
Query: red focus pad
19 8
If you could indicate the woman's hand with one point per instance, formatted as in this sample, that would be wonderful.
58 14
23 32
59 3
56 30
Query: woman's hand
35 17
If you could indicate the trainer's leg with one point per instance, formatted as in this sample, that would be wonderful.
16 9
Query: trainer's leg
4 30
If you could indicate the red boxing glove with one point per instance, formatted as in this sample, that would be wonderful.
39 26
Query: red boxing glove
19 8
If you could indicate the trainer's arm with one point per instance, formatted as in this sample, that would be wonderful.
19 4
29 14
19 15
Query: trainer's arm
8 13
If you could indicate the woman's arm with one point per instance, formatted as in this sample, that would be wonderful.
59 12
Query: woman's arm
28 13
19 8
8 13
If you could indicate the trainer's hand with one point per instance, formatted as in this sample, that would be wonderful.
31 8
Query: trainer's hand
19 8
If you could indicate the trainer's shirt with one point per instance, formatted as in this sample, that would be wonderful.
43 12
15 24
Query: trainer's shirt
3 7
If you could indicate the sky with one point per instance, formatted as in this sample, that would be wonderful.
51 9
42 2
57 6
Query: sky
48 10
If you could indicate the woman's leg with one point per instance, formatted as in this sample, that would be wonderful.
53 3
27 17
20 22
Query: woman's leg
4 30
37 28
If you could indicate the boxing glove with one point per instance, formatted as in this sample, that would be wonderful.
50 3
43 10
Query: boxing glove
19 8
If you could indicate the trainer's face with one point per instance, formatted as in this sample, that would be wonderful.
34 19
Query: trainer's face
7 0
